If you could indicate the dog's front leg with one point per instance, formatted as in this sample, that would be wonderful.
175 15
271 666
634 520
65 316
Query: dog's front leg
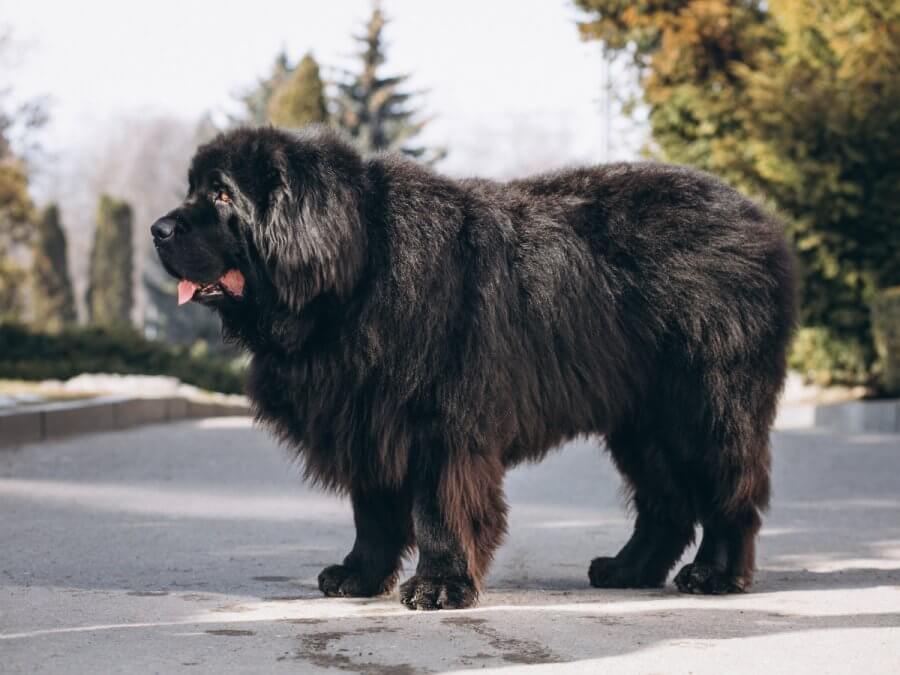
459 518
383 533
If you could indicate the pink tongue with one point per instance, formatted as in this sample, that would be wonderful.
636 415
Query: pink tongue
186 290
233 280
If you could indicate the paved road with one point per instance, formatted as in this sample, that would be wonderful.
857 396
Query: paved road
193 547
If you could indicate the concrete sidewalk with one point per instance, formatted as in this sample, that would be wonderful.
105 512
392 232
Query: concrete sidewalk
194 547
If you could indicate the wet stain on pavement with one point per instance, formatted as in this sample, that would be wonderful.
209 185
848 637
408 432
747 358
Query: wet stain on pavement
147 594
320 650
283 598
232 609
231 632
606 619
511 650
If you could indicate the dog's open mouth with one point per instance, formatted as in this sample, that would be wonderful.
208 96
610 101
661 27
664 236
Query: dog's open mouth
232 283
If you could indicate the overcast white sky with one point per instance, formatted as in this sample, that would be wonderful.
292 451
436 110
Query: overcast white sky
508 80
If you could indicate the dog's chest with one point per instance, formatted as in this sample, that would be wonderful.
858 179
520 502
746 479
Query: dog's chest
344 432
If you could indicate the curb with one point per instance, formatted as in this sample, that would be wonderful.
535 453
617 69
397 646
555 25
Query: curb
108 413
51 421
858 417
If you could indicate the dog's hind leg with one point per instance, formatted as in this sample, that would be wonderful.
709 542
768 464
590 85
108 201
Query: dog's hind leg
735 480
459 517
725 559
383 534
665 522
738 491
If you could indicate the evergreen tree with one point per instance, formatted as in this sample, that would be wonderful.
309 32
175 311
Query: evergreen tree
110 293
823 130
256 101
792 101
17 122
300 99
12 278
690 56
52 298
16 216
16 225
372 109
16 207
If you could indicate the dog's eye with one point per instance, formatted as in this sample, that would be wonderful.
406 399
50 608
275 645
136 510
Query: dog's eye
222 196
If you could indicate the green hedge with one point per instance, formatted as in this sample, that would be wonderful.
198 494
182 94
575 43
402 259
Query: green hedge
824 359
29 355
886 332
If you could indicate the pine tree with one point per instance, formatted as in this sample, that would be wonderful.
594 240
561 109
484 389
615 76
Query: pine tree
689 56
372 109
16 216
823 129
256 101
796 102
300 99
110 293
53 300
16 208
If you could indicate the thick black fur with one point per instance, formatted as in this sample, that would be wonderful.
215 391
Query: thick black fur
413 337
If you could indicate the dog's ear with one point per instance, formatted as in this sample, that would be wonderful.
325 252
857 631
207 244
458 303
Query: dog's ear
311 235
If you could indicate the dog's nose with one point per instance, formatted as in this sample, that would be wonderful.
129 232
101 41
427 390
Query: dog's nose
163 228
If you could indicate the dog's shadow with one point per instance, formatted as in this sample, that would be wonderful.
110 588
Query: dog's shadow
766 581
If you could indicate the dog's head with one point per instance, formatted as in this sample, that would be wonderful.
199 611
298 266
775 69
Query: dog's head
267 209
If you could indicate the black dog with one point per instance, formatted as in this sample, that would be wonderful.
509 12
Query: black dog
413 337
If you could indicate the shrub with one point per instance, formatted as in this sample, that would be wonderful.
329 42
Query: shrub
796 102
823 358
37 356
886 331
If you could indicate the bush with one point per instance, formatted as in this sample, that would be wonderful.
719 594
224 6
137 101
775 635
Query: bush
796 102
825 359
38 356
886 332
12 279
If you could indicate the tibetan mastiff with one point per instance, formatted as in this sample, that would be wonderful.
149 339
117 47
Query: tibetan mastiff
414 336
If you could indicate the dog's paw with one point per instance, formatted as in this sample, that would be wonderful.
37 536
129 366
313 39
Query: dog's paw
427 592
346 582
708 580
610 573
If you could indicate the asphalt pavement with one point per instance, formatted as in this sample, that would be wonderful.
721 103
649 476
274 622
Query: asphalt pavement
194 547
